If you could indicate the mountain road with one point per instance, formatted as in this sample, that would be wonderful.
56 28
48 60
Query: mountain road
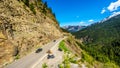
31 60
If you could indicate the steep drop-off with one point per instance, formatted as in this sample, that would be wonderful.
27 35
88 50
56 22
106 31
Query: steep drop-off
102 40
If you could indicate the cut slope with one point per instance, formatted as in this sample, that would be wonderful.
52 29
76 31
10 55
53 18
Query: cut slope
21 30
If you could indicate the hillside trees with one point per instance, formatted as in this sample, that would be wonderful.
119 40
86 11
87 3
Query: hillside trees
26 2
102 40
41 6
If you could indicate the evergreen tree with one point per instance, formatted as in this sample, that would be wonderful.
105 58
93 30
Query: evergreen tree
27 3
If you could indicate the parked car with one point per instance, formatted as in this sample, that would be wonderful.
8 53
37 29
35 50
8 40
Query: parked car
38 50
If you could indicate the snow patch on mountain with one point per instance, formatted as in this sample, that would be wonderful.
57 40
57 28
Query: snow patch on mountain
73 28
113 15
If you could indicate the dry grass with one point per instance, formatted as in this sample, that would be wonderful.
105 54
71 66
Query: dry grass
71 44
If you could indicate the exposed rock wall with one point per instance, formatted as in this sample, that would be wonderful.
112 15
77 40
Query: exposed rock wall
21 30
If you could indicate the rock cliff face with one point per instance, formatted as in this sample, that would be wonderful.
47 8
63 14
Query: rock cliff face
21 30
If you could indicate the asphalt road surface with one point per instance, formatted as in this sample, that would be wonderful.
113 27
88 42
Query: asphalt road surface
31 60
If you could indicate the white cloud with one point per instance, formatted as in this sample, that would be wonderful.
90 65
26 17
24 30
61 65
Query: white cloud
91 21
103 11
83 23
114 6
114 14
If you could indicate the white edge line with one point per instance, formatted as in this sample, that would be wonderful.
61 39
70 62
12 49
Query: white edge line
33 66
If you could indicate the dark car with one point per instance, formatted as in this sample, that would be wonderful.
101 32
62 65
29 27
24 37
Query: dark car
38 50
54 40
50 56
59 49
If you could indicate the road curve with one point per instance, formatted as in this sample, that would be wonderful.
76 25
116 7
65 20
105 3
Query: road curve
31 60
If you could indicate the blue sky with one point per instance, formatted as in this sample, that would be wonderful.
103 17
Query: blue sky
83 12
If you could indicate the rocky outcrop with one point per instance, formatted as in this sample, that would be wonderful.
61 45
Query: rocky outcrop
21 30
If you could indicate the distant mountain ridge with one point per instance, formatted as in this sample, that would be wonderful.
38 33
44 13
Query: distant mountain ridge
71 28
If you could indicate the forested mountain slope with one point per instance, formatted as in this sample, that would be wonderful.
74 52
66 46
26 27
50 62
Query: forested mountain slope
102 40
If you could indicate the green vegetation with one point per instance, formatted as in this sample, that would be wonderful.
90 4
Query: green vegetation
86 57
61 66
100 33
69 57
110 65
30 5
40 6
44 65
64 30
101 41
103 54
94 57
32 8
44 9
17 57
63 47
26 2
